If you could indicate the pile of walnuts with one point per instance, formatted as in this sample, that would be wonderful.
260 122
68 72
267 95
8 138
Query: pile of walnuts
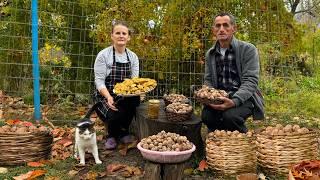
166 141
21 129
179 108
279 129
227 134
209 95
171 98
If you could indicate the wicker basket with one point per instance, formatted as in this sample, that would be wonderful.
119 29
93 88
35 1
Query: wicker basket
18 149
167 102
178 117
231 155
208 101
182 99
276 153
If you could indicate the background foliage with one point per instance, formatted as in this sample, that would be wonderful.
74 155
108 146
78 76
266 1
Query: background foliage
71 33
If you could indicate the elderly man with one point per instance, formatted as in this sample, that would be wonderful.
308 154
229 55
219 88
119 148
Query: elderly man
232 65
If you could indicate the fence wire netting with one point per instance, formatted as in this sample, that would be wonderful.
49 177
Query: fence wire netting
169 37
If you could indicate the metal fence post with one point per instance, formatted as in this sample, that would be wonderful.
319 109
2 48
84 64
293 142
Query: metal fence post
35 60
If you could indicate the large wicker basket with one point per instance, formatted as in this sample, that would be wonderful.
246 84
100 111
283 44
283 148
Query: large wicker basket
231 155
276 153
18 149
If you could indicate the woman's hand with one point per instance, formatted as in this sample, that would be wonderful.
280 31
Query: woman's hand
227 104
110 103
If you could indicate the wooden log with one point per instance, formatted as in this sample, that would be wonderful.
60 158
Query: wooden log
143 127
173 171
152 171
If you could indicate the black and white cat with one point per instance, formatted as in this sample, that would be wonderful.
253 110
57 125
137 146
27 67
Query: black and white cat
86 139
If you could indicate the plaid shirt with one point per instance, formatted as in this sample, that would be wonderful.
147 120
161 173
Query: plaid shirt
228 77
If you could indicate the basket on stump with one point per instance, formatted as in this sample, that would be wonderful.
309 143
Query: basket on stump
231 153
279 148
178 117
178 112
171 98
18 149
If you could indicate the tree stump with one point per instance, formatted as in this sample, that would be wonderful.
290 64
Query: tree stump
143 126
156 171
152 171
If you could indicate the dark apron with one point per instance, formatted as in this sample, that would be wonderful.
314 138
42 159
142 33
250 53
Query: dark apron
119 72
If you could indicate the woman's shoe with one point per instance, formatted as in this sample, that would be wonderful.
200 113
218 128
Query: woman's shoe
110 143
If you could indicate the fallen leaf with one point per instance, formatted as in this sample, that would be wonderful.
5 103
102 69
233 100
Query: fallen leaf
3 170
26 123
81 110
137 171
112 168
23 176
188 171
91 175
37 173
72 173
51 178
13 121
35 164
203 165
102 174
106 152
30 175
126 174
56 139
65 142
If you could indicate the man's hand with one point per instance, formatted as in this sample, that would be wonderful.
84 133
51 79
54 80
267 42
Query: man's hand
227 104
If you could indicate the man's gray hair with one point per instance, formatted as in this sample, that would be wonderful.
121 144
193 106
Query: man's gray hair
232 18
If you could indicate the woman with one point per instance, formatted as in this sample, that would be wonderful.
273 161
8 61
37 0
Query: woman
112 65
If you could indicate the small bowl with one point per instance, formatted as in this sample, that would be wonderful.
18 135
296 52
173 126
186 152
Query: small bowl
166 156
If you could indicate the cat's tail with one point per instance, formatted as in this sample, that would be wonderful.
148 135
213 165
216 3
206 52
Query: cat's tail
93 108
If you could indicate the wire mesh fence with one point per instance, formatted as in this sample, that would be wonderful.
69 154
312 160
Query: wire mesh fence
169 37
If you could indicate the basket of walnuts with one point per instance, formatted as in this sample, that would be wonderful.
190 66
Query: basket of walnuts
208 95
166 147
278 147
171 98
231 152
178 112
22 142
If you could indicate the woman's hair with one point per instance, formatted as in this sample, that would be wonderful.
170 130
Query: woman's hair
122 23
